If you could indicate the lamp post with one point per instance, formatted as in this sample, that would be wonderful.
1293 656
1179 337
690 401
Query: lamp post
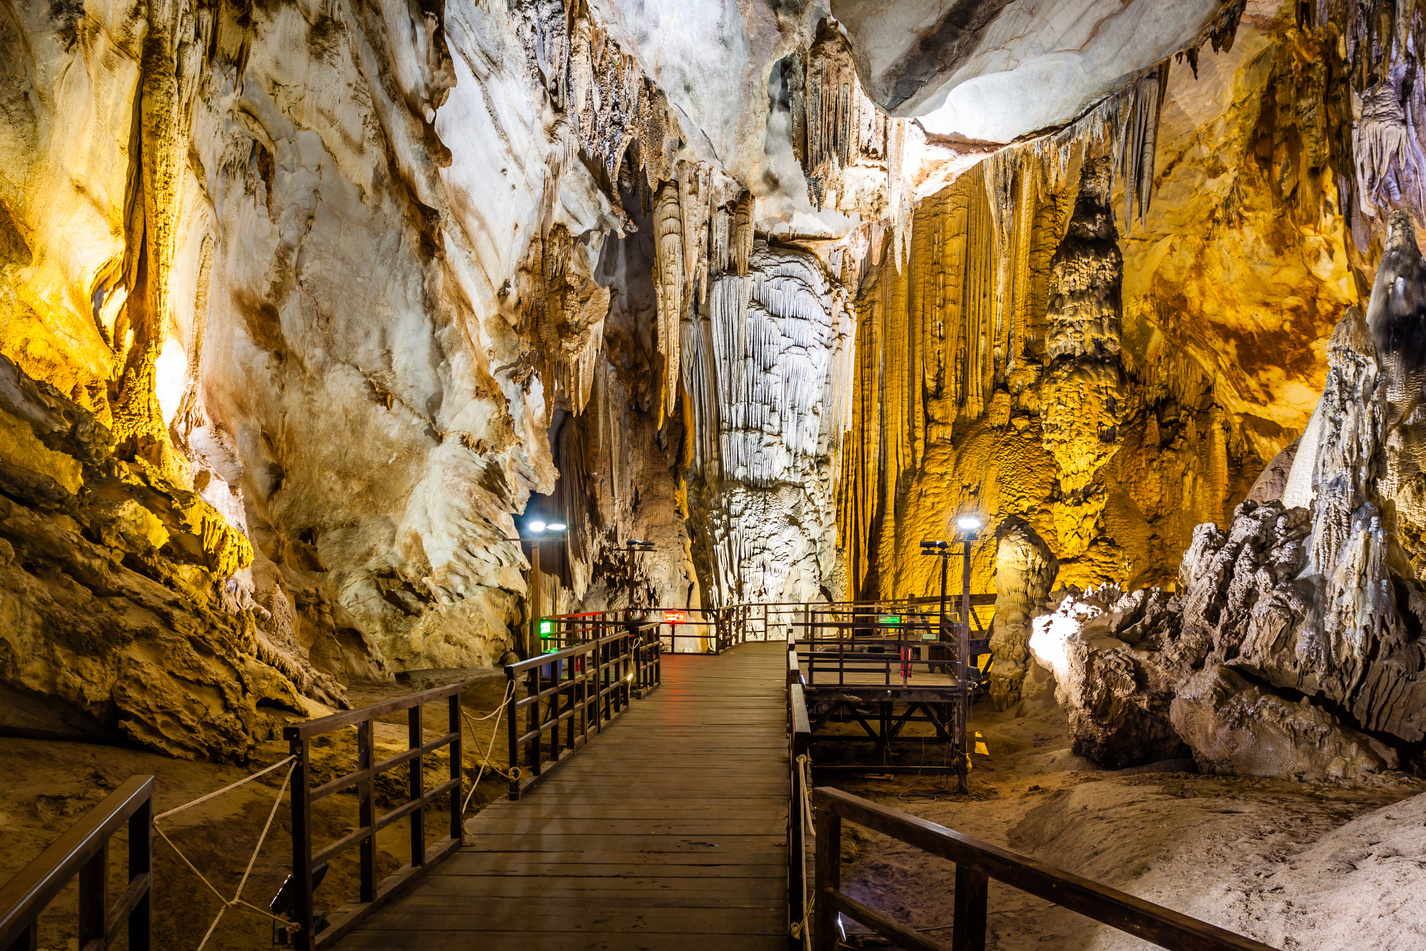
537 531
969 527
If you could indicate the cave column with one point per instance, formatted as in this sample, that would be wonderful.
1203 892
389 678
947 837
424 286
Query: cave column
1024 570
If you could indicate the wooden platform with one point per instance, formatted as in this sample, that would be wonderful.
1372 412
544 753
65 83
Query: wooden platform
666 833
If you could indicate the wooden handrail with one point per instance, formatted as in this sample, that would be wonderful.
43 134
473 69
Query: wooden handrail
976 863
83 853
570 694
300 731
305 862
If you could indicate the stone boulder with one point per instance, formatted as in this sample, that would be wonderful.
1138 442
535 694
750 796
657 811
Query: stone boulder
1117 693
1236 727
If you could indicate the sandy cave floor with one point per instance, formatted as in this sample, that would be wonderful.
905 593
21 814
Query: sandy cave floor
1325 867
1297 866
48 786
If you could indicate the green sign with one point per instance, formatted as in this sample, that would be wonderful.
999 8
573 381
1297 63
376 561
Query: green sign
547 628
889 619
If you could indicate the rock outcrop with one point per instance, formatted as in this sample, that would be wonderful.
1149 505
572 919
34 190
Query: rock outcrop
1294 645
116 594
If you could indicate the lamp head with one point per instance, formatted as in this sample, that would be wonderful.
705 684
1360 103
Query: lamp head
536 526
968 524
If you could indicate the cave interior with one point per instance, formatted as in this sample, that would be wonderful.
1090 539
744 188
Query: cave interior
351 349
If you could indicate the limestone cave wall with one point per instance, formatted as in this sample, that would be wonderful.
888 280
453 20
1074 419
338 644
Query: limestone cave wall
301 304
1107 332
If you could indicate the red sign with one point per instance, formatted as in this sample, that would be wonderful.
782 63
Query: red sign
675 617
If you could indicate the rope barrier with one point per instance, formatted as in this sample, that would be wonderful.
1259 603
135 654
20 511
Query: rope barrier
799 928
494 732
237 898
228 788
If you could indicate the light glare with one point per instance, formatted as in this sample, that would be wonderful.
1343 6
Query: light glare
537 526
557 526
968 523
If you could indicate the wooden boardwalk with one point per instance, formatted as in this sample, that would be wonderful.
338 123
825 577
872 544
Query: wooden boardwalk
666 833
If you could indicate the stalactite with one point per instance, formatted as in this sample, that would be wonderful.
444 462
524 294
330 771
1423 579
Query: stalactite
843 129
1083 395
669 278
1382 163
742 242
613 105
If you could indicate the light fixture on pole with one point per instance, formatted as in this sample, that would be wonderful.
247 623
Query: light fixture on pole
969 527
536 532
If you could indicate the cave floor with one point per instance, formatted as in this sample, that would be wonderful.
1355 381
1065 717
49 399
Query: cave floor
1296 865
667 831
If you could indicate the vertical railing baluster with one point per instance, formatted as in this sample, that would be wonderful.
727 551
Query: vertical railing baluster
968 925
29 939
416 786
93 897
827 877
532 707
512 731
457 764
366 812
567 687
140 864
302 846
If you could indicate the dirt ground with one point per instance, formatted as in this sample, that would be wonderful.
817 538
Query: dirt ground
1330 868
48 786
1298 866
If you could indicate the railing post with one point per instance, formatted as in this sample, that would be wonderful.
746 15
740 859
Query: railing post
828 877
29 939
304 939
512 728
140 864
457 765
416 785
366 812
532 724
968 926
94 898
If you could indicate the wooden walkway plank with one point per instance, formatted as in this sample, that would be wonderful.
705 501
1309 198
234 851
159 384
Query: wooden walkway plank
667 832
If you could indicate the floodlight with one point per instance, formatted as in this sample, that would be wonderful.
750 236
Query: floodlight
968 523
536 526
557 526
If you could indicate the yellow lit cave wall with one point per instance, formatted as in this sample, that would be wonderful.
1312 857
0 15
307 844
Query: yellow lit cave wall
1112 398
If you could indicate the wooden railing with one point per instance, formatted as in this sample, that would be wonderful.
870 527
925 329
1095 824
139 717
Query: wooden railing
305 862
976 864
570 694
696 626
799 743
83 853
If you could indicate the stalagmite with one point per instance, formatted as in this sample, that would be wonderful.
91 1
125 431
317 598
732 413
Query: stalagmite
1084 384
1024 572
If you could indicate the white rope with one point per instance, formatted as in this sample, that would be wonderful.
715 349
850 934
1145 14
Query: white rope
211 795
237 898
800 929
494 732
